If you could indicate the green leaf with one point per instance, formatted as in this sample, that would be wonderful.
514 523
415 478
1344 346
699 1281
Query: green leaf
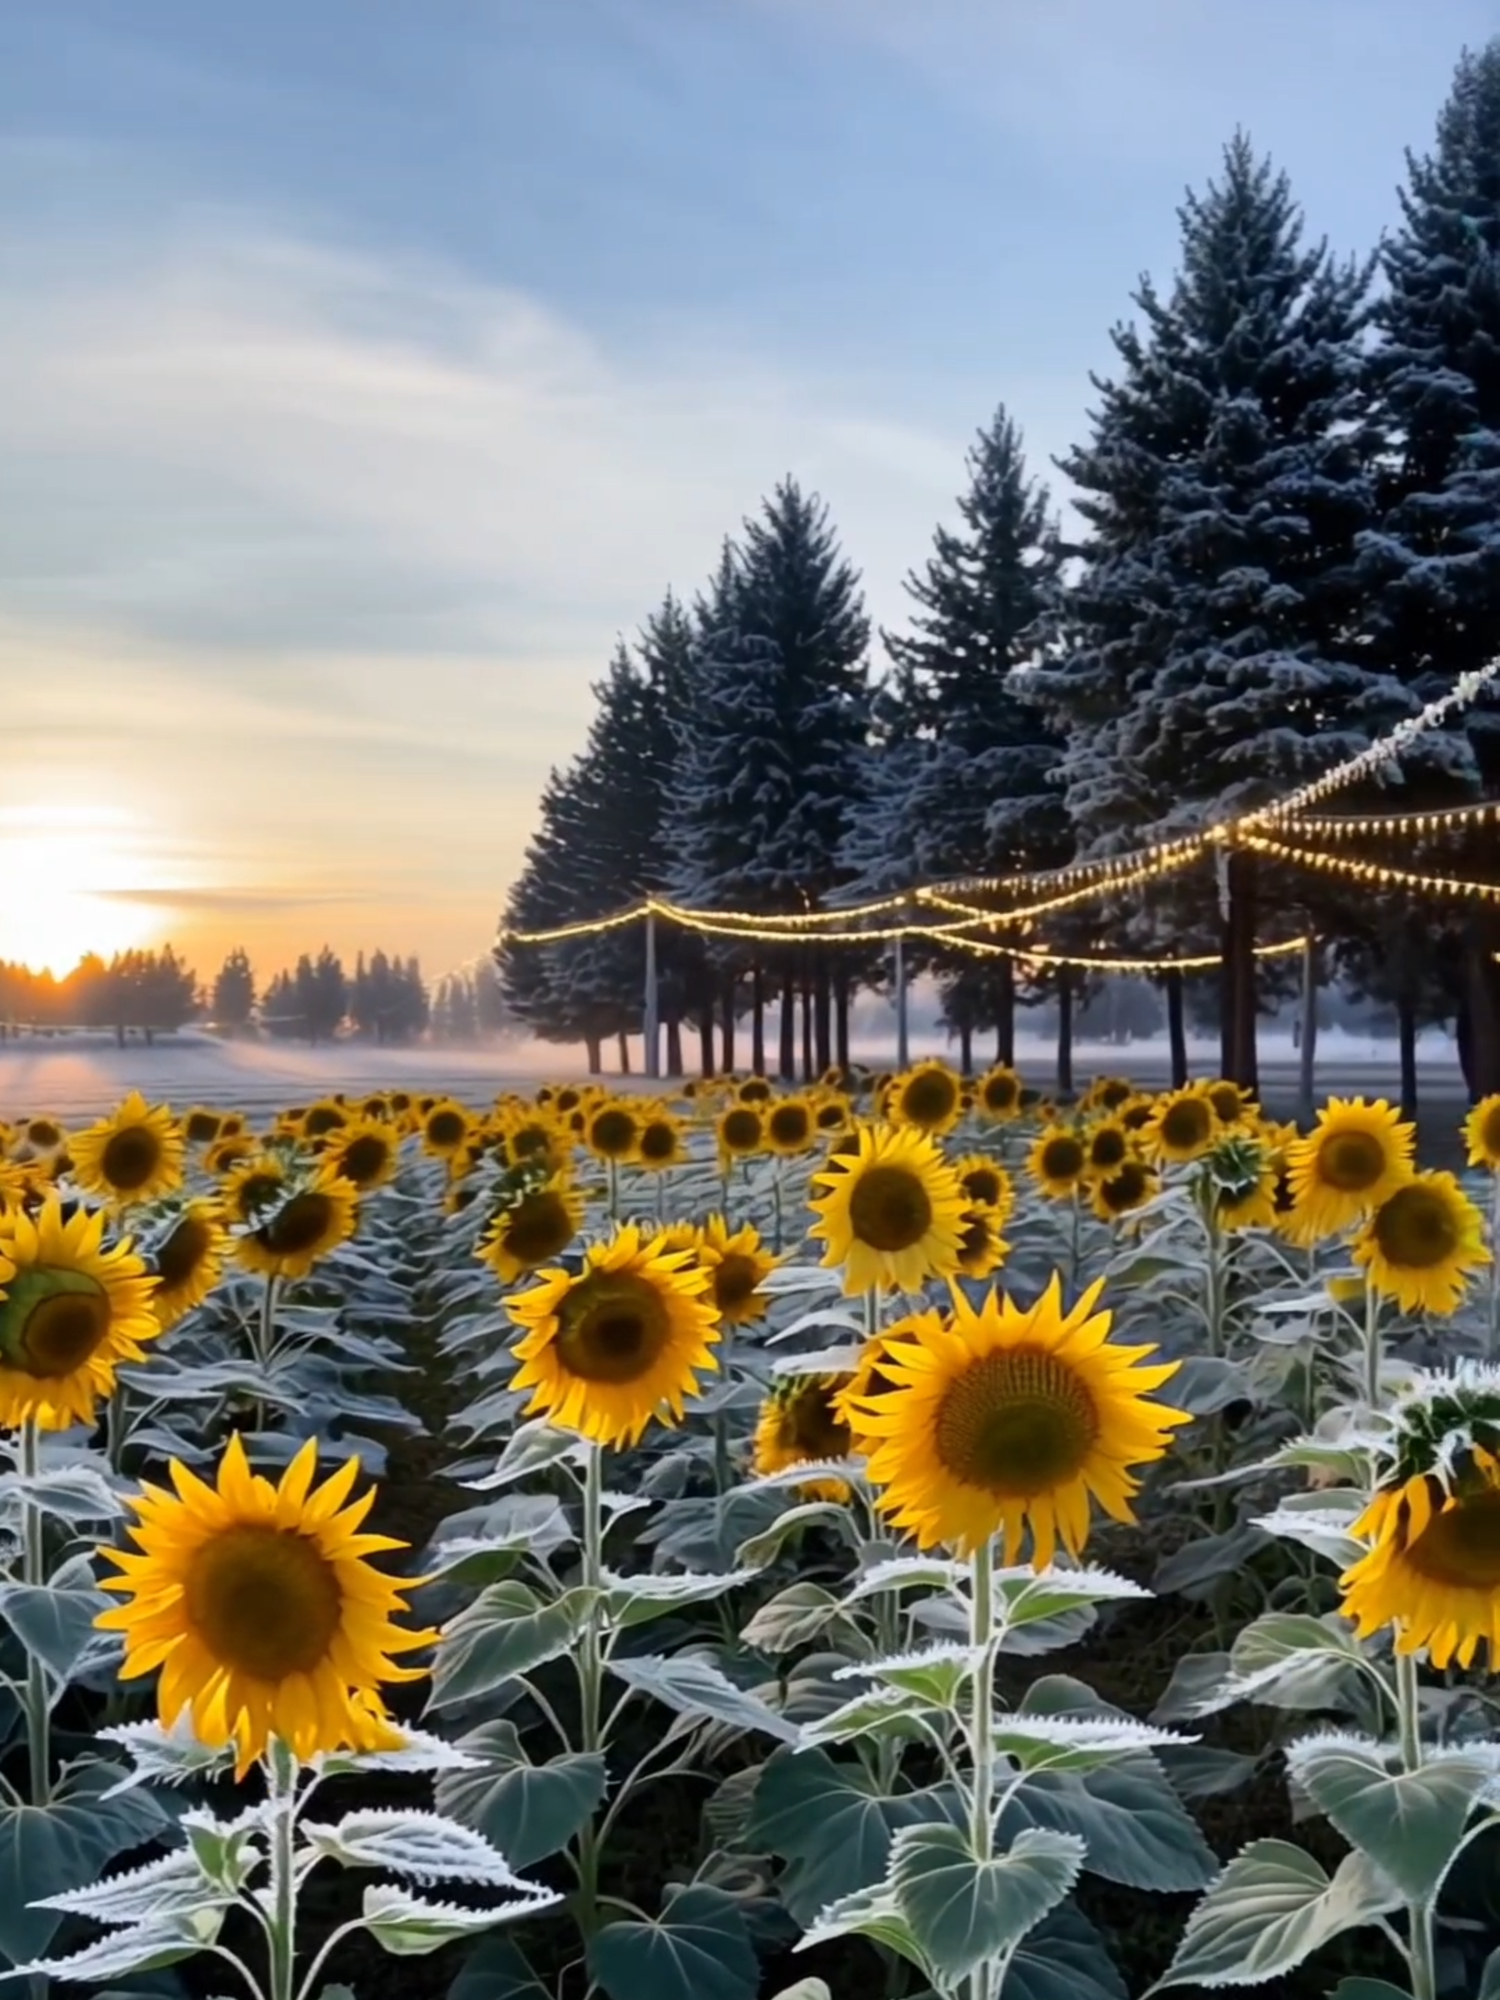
528 1810
1027 1596
934 1674
1136 1829
408 1926
805 1989
635 1600
1064 1958
762 1550
698 1949
832 1825
696 1688
1489 1983
497 1969
1410 1823
1076 1742
1293 1660
45 1850
1361 1988
909 1573
506 1631
1269 1910
964 1911
532 1448
56 1624
871 1913
791 1618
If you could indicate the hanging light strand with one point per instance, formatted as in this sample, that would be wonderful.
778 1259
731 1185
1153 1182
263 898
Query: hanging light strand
1376 873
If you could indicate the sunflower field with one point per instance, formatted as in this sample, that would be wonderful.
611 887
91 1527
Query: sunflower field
902 1537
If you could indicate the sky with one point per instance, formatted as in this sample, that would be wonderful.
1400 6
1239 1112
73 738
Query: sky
369 368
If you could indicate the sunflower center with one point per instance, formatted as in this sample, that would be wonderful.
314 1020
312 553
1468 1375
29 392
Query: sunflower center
301 1225
322 1118
789 1125
613 1327
447 1128
1187 1123
809 1425
255 1191
741 1130
1489 1130
1016 1423
1124 1189
265 1601
1062 1158
613 1132
1415 1228
1461 1546
1108 1148
735 1279
363 1158
982 1184
130 1157
754 1090
975 1239
183 1251
658 1142
42 1132
53 1321
539 1227
999 1093
929 1098
889 1208
201 1127
1351 1161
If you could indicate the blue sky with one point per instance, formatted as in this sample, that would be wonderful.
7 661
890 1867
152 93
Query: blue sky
369 365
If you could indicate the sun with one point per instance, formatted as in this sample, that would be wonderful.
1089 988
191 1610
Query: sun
67 872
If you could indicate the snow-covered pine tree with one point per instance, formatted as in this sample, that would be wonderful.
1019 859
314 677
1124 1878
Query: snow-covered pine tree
979 796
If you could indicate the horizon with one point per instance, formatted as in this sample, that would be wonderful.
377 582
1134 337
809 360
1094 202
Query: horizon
369 381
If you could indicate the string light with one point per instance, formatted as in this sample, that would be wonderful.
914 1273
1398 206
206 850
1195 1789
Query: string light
1400 826
1377 872
1168 853
1039 955
591 927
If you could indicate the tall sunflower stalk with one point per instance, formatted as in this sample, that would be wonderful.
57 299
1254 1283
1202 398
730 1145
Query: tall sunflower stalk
37 1696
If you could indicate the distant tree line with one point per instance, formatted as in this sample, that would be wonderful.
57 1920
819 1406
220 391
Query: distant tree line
385 999
1290 498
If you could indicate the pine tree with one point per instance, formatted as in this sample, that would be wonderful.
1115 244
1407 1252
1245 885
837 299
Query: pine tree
234 991
280 1009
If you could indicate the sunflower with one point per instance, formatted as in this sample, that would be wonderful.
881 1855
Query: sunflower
833 1113
606 1350
133 1155
261 1608
366 1152
534 1230
982 1249
43 1135
327 1115
1247 1200
1006 1418
612 1131
224 1155
201 1126
313 1219
446 1127
1231 1102
892 1213
870 1379
1107 1093
1108 1146
741 1131
1434 1572
1355 1156
1057 1162
799 1424
1423 1244
70 1312
232 1124
1482 1130
1117 1194
754 1090
189 1261
1182 1127
790 1126
660 1144
998 1093
738 1265
929 1095
1136 1112
986 1183
254 1185
529 1137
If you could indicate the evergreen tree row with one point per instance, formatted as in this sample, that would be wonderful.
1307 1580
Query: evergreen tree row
1289 498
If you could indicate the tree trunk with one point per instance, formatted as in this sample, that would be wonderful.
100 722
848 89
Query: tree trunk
1240 998
623 1042
841 1014
1064 1032
729 1003
757 1020
1005 1012
823 1009
706 1037
674 1044
1176 1029
807 1018
1406 1037
1479 1011
966 1047
594 1050
787 1069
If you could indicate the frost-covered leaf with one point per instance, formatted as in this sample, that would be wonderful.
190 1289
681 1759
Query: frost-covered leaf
142 1948
1064 1958
873 1913
418 1751
426 1846
963 1911
791 1618
1269 1910
225 1851
1410 1823
163 1756
157 1889
507 1630
762 1550
698 1949
63 1845
695 1687
1075 1742
533 1448
408 1927
878 1711
1323 1529
934 1674
73 1493
528 1810
635 1600
908 1573
55 1621
1136 1829
1027 1596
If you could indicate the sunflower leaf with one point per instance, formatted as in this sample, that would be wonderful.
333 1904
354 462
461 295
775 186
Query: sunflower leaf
426 1846
533 1448
696 1689
1269 1910
873 1913
54 1621
762 1550
1410 1823
507 1630
635 1600
47 1849
698 1949
409 1927
964 1911
528 1810
791 1618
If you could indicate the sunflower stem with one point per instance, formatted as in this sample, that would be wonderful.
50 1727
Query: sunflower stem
1372 1345
613 1179
591 1679
34 1573
116 1428
281 1785
1421 1950
776 1211
982 1729
1073 1245
1492 1331
265 1341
